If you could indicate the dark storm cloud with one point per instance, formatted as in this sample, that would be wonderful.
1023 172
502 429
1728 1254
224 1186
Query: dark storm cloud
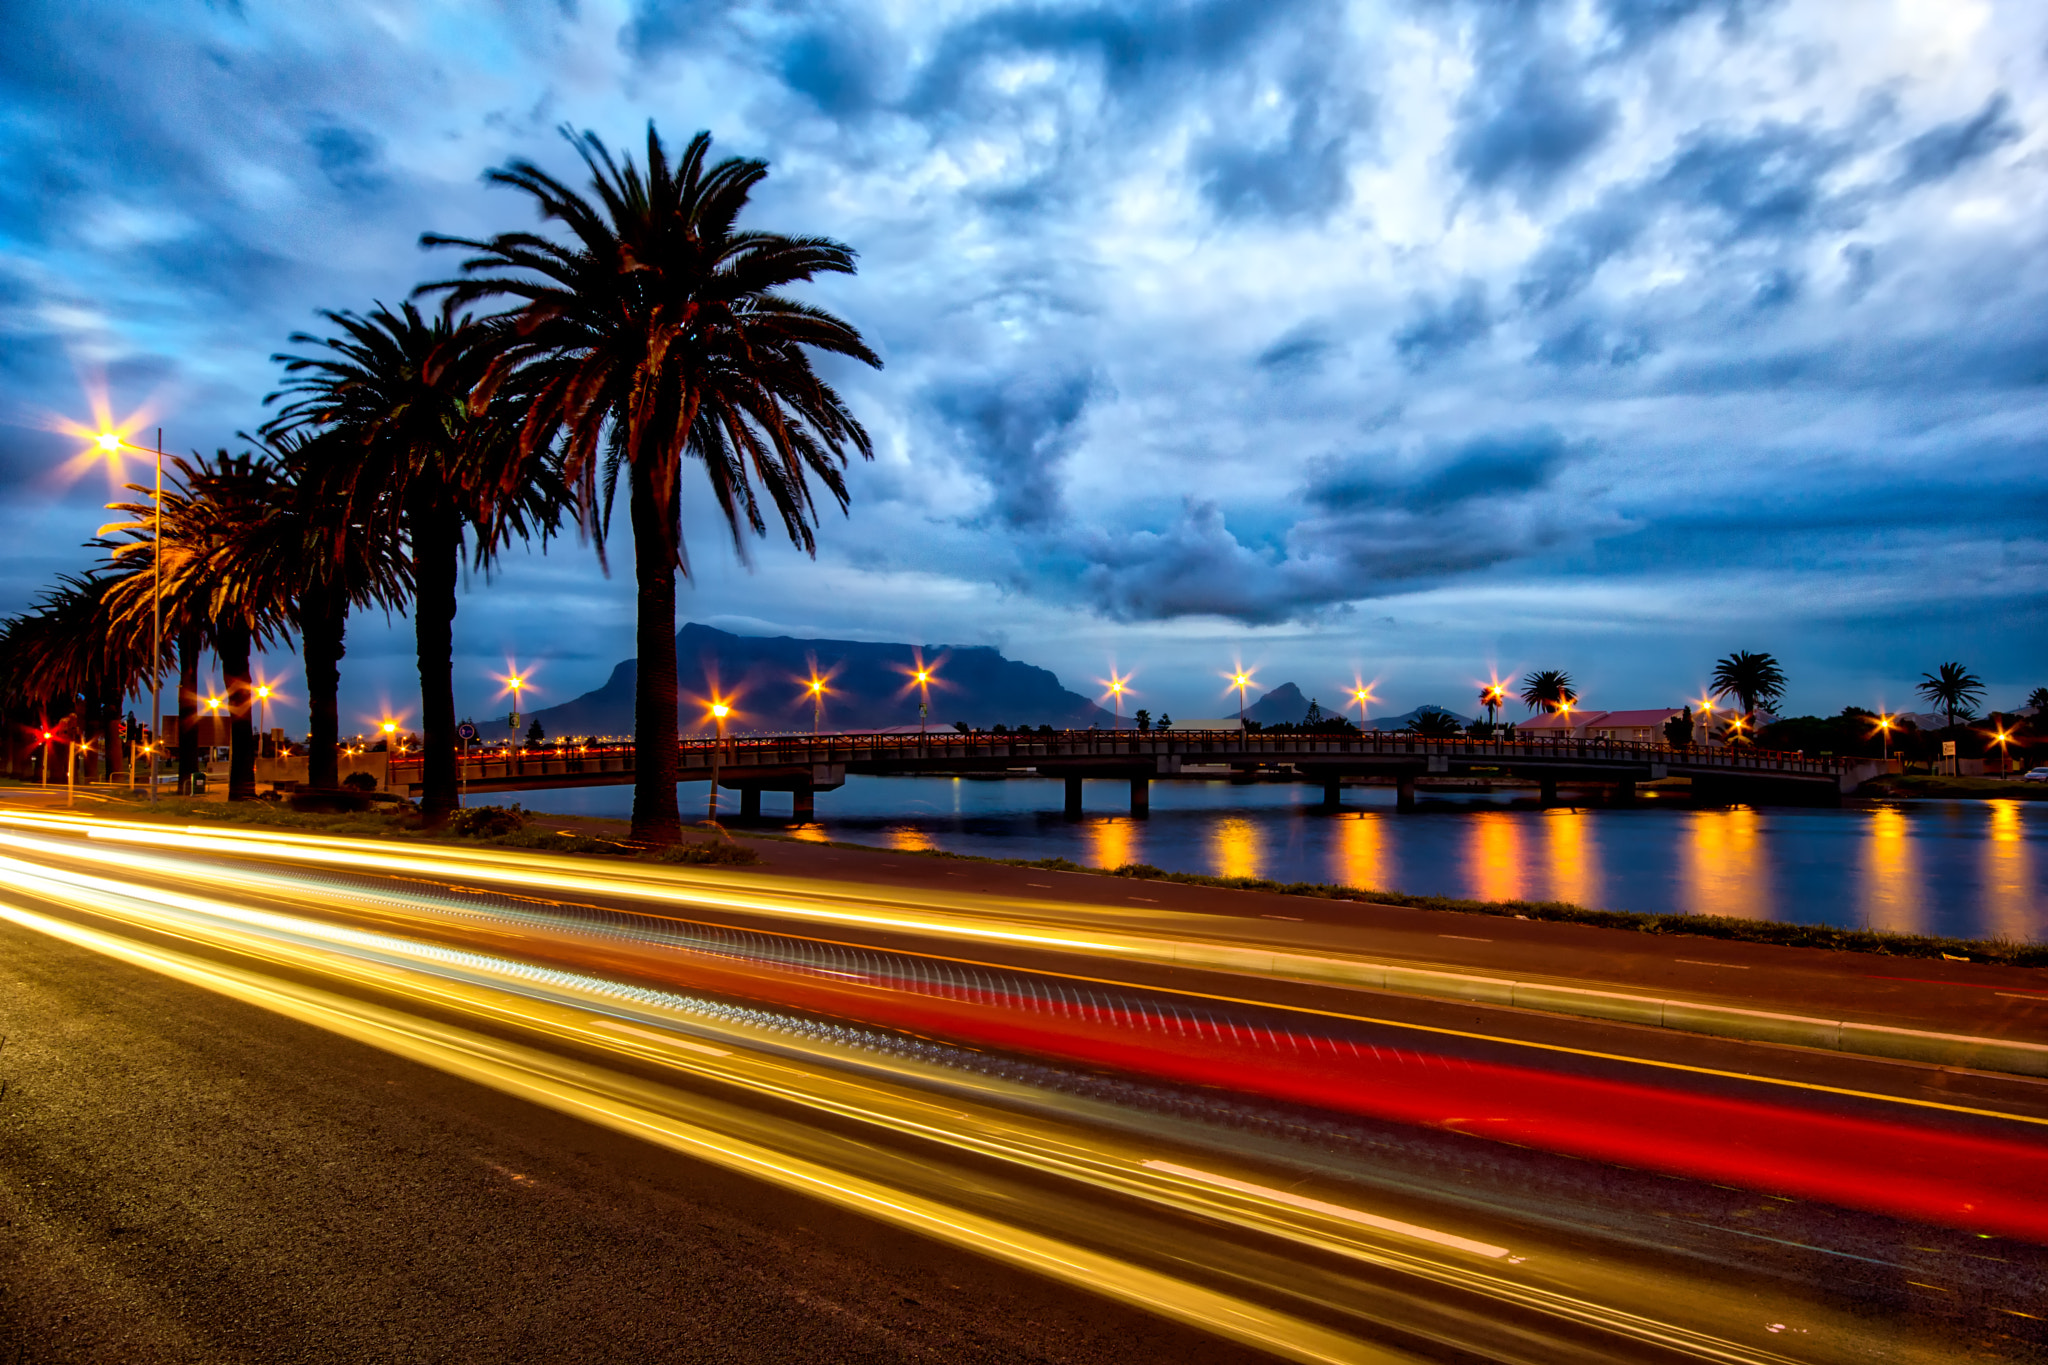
348 157
1301 175
1637 22
1943 150
1016 433
1302 349
1488 466
1370 523
1439 329
1527 121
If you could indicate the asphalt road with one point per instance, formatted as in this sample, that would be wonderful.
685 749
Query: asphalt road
187 1178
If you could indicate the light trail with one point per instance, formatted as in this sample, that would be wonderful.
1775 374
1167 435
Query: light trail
793 899
555 1006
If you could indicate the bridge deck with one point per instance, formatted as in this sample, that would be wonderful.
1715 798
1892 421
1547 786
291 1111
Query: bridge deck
822 761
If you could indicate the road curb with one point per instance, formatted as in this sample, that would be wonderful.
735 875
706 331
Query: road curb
1682 1016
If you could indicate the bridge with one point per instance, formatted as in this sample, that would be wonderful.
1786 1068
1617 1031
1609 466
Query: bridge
804 765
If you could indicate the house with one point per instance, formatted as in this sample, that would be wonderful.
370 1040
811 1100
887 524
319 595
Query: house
1559 725
1636 727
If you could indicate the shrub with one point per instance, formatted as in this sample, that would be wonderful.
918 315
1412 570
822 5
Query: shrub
487 822
360 782
715 851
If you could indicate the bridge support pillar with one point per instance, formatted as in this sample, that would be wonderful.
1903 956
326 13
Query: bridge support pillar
1547 790
1073 798
1333 793
750 803
1404 792
803 805
1141 796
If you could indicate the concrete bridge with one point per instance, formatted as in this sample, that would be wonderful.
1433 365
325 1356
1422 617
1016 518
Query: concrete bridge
806 764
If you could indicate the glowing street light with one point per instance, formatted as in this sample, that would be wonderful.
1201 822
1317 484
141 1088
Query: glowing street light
924 697
1116 687
1361 697
1885 725
2002 738
1707 703
719 711
816 691
1491 696
111 443
1240 680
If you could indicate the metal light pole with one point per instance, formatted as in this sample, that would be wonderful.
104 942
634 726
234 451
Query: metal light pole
817 690
1239 683
719 711
112 442
924 697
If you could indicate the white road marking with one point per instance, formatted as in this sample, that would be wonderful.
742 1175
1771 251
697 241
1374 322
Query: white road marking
1695 962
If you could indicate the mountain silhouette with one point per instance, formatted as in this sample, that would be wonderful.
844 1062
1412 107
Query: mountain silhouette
870 688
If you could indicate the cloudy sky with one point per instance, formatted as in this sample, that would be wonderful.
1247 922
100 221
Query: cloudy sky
1401 341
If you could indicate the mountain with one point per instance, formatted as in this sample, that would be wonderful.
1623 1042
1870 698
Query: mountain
1284 705
870 688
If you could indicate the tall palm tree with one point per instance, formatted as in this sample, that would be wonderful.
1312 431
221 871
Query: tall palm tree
658 333
1751 679
1548 689
334 539
1952 688
68 660
434 451
213 510
2038 701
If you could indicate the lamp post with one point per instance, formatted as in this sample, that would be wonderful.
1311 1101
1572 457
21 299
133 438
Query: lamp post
111 442
1490 696
719 711
817 691
1707 704
1116 693
1240 680
924 697
1362 696
263 691
1884 727
2003 738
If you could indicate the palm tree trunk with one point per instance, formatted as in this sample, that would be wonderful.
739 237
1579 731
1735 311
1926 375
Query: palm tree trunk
322 632
656 819
436 548
188 709
233 648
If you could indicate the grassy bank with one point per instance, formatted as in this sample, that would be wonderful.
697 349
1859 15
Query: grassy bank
1920 784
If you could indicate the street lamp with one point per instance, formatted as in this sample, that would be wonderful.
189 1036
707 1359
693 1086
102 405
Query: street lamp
111 442
1361 696
1240 680
1707 703
1117 686
924 697
1491 696
817 691
719 711
2002 738
263 691
1884 727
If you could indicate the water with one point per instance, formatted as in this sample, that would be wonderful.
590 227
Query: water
1973 869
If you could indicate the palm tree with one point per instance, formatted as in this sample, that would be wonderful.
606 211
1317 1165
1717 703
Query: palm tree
1750 678
335 537
213 510
1548 688
436 455
2038 701
68 661
1952 688
656 334
1434 724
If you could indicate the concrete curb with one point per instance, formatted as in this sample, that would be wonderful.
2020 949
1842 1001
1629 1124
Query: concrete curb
1684 1016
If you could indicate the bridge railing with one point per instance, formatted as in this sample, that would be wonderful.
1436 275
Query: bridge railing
1026 749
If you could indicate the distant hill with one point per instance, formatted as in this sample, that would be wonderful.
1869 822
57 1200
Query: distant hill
1285 705
870 687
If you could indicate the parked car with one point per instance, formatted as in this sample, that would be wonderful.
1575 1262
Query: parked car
2035 775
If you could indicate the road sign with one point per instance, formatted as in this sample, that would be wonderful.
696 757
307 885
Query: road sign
1948 748
467 732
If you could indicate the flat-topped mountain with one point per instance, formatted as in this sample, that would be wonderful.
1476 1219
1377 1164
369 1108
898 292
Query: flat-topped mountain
870 687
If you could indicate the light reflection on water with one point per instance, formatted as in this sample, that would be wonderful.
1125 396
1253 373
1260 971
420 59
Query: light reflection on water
1969 868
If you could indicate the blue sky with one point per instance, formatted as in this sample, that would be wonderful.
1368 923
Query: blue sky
1399 341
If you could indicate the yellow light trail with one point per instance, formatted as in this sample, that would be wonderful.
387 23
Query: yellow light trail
698 888
591 1020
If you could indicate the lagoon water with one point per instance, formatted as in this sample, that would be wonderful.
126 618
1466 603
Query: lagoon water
1976 869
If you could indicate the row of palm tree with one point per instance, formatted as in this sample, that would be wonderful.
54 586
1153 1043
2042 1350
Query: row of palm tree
650 333
1752 679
